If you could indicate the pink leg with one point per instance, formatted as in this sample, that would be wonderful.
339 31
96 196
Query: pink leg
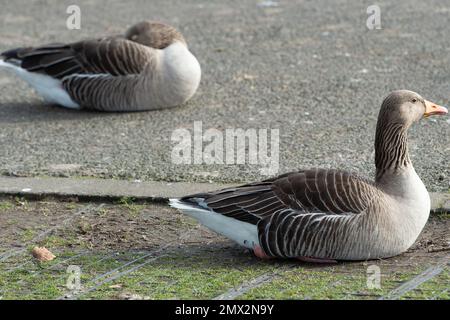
259 252
316 260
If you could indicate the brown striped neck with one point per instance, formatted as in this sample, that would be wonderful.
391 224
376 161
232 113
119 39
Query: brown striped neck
391 148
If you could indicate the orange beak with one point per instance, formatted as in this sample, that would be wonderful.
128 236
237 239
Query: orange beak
434 109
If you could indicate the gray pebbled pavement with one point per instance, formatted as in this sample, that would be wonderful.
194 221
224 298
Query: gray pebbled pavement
312 69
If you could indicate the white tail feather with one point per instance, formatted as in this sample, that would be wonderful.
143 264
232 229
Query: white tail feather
245 234
49 88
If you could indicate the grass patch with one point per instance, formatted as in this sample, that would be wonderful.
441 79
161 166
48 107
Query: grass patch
184 276
436 288
6 205
28 235
442 215
327 283
53 241
129 203
196 274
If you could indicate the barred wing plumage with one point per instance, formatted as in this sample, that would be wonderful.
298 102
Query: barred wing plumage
295 211
102 74
111 55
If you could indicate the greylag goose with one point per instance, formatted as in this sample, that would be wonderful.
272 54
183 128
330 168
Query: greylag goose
322 215
150 67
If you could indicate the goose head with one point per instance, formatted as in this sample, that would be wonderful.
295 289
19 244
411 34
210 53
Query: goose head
154 34
399 110
406 107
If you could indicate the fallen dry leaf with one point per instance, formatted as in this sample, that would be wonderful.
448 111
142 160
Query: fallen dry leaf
42 254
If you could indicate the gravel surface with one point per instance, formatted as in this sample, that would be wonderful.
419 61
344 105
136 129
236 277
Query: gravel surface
310 69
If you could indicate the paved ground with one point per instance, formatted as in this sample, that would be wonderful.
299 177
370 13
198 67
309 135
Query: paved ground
312 70
126 250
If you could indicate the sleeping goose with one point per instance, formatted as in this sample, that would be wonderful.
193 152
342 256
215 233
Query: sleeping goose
322 215
150 67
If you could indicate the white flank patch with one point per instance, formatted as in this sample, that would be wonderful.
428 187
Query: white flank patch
245 234
49 88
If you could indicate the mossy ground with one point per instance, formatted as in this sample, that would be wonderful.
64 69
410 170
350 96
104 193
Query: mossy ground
129 251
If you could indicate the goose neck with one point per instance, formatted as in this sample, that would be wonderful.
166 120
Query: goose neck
391 150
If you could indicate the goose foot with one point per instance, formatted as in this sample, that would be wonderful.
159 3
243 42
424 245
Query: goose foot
316 260
259 252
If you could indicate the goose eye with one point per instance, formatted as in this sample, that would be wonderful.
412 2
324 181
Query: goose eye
414 100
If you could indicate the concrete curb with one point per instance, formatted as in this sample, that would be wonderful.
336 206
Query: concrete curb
112 190
99 189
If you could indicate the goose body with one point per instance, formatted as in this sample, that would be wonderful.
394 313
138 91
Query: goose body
150 67
328 214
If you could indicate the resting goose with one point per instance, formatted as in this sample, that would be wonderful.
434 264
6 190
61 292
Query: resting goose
150 67
323 215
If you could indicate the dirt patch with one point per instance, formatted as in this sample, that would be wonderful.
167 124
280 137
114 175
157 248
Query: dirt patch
120 227
22 222
137 227
436 235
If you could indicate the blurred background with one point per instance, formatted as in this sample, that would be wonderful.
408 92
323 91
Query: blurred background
311 69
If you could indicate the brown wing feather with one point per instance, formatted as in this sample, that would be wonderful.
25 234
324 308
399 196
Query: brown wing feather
114 56
55 60
315 190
